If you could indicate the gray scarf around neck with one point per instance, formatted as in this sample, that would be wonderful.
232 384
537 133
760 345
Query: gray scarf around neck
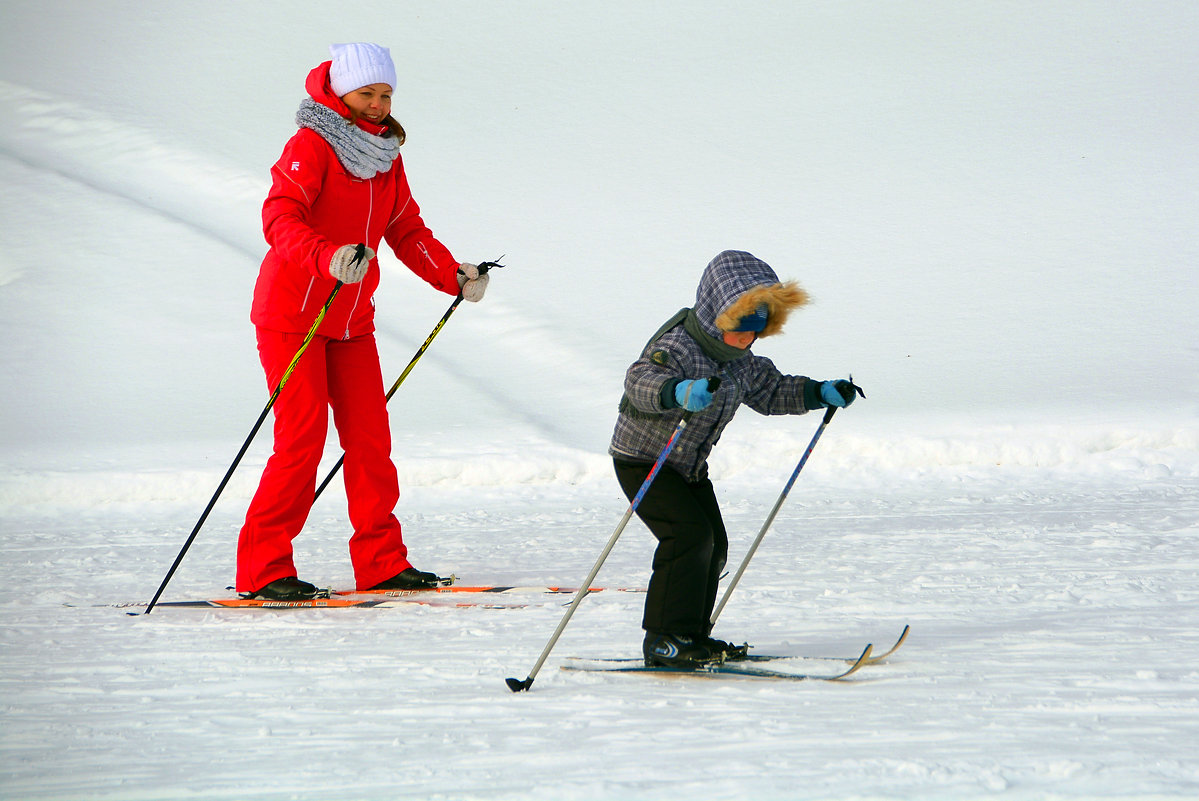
363 154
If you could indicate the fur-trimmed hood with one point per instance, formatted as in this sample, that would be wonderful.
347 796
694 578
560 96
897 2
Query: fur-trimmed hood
734 284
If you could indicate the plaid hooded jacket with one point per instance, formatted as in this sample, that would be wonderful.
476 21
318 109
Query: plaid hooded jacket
733 284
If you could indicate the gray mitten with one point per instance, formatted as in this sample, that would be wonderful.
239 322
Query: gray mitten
346 268
472 283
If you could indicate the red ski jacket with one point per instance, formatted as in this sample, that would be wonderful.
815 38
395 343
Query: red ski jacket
314 207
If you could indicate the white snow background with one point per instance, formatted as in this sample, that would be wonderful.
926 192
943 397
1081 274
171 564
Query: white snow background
994 206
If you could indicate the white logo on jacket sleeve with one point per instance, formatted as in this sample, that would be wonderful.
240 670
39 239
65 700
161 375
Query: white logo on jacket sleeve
295 166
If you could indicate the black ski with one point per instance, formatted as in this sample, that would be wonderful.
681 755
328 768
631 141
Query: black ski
726 669
873 660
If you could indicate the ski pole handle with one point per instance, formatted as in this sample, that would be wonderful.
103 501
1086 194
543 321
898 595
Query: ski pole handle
847 389
483 269
712 385
487 265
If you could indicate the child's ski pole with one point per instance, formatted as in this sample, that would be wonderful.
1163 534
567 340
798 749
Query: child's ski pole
517 685
828 415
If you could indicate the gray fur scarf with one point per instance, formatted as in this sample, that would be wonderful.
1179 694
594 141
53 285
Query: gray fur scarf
363 154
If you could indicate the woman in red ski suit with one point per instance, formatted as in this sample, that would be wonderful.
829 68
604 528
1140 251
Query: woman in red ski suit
340 182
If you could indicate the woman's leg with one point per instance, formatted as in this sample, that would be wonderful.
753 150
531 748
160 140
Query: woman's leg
285 492
377 549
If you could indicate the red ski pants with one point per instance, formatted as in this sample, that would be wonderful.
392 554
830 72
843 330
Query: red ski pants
343 375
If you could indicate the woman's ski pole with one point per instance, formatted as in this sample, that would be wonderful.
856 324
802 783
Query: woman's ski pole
359 254
483 268
516 685
828 415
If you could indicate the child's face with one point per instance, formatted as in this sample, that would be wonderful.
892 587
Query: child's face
740 339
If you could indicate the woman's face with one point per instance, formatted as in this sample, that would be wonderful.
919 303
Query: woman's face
371 103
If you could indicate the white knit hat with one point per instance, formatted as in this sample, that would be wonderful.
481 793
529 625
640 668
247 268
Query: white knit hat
360 64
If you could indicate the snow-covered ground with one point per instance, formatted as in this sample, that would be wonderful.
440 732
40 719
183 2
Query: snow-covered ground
994 206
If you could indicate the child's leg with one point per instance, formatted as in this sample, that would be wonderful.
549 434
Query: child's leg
677 513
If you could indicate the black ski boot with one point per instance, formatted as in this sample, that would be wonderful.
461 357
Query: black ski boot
677 651
731 652
288 589
412 579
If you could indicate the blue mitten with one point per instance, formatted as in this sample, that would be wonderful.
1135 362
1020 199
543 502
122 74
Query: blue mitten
838 393
692 394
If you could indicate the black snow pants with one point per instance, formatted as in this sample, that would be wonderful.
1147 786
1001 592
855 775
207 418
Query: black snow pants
692 547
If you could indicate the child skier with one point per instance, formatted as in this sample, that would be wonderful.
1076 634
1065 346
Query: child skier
738 300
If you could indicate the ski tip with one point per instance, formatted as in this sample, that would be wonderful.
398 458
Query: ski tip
516 685
874 660
857 665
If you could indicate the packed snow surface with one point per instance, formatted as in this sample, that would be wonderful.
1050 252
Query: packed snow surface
993 205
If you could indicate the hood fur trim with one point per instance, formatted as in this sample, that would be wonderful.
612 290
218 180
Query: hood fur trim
780 300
